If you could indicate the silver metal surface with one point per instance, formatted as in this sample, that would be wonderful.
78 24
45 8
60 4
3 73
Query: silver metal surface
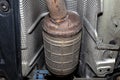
71 5
34 25
30 44
36 56
100 55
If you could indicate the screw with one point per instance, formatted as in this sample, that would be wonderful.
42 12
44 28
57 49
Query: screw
4 6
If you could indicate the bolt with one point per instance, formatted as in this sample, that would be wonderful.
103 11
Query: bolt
4 6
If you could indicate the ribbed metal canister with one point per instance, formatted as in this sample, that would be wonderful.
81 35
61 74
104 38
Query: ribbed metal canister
62 43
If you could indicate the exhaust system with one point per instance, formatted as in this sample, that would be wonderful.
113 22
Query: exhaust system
61 36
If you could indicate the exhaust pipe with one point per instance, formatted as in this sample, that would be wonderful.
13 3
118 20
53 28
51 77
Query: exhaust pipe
57 9
61 36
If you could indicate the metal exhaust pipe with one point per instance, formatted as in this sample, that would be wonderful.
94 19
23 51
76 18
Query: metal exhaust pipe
57 9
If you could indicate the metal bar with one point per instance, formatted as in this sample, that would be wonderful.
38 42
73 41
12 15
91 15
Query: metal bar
93 33
34 25
36 56
57 9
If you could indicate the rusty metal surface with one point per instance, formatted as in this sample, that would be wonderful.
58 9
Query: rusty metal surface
69 27
61 55
62 43
57 8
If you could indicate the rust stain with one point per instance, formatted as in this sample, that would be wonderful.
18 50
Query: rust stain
69 26
55 1
57 9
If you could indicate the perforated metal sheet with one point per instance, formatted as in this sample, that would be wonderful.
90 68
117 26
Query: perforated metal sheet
30 44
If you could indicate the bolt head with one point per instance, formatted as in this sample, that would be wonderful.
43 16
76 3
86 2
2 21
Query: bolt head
4 6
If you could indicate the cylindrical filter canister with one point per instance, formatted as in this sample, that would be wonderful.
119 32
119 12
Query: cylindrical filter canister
62 43
62 37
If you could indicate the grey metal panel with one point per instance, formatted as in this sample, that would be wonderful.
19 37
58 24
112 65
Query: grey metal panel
30 44
71 5
98 59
